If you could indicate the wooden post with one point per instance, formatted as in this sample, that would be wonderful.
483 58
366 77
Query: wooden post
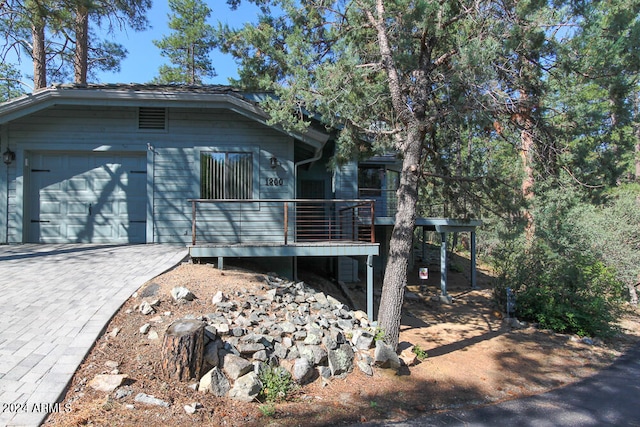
370 287
474 284
193 222
182 352
286 223
373 222
443 264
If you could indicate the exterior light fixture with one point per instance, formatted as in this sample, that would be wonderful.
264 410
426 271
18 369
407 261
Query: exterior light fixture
8 156
274 162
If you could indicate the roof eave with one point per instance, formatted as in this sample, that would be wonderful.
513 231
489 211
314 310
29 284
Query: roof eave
49 97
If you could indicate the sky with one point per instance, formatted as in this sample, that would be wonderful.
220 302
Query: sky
143 58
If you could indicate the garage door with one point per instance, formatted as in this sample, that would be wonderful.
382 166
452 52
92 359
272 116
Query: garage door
87 198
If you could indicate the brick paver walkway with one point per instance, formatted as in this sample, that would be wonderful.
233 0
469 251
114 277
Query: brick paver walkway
54 302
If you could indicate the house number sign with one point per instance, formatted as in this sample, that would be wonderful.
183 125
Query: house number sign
274 182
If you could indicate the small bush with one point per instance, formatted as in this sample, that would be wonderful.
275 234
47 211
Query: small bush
420 353
268 409
378 334
277 383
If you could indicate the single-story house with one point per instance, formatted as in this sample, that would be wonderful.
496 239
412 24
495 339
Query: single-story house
200 166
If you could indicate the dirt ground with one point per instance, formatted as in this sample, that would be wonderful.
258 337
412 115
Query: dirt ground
473 359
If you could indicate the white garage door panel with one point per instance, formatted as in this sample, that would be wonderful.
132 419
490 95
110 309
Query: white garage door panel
87 197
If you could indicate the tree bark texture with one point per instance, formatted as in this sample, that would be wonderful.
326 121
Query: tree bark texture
81 56
637 153
412 121
39 55
528 180
401 244
183 350
527 149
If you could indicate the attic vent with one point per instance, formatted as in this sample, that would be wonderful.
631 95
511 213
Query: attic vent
152 118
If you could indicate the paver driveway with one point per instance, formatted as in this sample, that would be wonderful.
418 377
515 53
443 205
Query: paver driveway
54 301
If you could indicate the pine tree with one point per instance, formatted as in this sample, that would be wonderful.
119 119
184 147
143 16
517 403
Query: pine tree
389 74
189 46
10 82
57 36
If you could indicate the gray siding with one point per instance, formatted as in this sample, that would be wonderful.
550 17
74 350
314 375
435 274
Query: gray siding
14 220
177 177
346 181
173 165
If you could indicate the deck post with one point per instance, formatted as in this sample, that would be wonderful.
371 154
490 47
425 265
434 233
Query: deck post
424 244
354 230
220 263
370 287
443 269
193 222
373 221
474 284
286 222
294 266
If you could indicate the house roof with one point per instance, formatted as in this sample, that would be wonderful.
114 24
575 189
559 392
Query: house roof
149 95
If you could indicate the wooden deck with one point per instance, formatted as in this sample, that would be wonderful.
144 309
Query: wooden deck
297 249
303 249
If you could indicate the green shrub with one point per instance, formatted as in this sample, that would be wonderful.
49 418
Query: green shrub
378 334
277 383
268 409
420 353
569 293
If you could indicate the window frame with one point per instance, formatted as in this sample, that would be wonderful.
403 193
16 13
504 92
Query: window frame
226 150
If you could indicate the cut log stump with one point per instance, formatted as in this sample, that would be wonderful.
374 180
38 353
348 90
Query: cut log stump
183 350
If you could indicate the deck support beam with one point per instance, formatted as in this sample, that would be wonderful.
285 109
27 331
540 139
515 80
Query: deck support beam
424 244
474 284
370 287
444 297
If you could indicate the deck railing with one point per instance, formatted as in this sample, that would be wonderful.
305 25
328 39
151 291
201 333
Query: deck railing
281 221
386 201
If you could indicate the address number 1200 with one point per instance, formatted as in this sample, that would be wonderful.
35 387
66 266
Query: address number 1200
274 182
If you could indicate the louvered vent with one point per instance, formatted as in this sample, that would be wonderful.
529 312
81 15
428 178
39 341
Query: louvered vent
152 118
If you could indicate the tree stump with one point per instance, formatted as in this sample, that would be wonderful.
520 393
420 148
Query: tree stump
183 350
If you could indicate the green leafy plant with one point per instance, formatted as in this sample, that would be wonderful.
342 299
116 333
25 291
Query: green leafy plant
268 409
378 335
277 383
420 353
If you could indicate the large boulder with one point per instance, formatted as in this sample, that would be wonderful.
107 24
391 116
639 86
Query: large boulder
214 382
341 360
235 366
385 356
303 370
246 388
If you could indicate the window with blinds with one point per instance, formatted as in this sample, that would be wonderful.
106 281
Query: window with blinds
226 175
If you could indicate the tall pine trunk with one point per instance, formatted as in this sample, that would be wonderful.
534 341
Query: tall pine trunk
39 54
81 56
401 244
528 180
636 132
414 120
526 151
637 149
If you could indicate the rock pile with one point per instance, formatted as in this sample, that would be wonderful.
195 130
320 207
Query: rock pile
286 324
